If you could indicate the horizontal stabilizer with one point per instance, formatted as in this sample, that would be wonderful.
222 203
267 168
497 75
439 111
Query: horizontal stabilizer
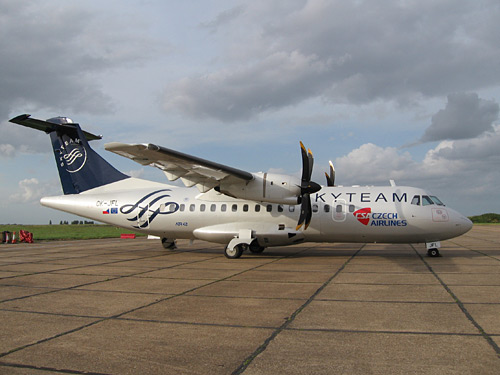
49 127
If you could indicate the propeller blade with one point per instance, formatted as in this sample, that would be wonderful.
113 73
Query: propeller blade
306 163
308 210
305 212
311 163
330 179
307 187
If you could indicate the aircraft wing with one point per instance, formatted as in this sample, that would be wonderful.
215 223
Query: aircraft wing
190 169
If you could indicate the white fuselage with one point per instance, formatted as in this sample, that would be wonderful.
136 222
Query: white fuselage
340 214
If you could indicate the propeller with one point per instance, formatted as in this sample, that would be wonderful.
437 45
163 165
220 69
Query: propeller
307 187
330 179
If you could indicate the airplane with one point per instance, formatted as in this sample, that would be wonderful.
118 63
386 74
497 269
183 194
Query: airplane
241 210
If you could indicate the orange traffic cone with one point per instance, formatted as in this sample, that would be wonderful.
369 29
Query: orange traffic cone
14 237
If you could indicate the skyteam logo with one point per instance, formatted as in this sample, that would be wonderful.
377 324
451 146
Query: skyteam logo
72 155
379 219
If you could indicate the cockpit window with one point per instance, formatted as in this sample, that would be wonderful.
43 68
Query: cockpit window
437 200
426 201
416 200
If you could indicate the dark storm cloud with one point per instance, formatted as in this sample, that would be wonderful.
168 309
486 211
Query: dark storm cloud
465 116
346 52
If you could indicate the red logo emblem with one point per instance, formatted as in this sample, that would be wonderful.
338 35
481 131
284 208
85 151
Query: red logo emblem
363 215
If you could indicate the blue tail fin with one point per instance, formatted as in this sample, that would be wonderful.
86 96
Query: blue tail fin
80 167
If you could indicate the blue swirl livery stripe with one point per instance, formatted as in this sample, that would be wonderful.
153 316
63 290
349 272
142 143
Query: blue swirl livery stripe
130 208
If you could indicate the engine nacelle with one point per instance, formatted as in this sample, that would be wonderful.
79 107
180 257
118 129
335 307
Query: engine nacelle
266 187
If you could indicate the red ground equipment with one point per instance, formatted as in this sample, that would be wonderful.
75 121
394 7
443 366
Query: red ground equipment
25 236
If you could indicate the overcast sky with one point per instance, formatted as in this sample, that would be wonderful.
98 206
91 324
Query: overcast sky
403 90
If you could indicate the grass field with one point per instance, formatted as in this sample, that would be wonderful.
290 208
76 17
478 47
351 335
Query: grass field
67 232
93 231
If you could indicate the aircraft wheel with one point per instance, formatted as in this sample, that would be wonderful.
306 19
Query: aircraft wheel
235 252
168 243
433 253
255 248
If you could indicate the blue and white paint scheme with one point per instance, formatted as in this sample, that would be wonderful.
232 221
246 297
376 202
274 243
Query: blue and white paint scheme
242 210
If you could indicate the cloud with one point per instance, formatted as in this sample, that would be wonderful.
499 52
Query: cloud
31 190
7 150
223 18
233 95
343 52
465 116
457 163
371 164
17 139
51 58
136 173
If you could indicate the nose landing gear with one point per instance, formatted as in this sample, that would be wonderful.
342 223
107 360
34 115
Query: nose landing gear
433 253
433 249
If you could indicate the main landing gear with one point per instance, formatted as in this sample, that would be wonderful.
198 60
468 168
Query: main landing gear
168 243
234 252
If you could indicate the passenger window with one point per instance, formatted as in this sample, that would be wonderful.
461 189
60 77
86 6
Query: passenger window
269 208
437 200
223 208
182 207
280 208
202 208
338 208
171 207
426 201
213 207
234 208
257 208
326 207
192 208
315 207
291 208
351 208
245 208
416 200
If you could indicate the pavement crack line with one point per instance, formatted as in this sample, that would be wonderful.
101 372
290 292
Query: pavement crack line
49 369
461 305
119 315
290 320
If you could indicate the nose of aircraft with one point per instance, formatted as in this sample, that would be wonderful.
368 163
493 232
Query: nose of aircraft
460 223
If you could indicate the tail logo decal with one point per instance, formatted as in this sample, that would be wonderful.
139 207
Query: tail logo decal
72 156
146 209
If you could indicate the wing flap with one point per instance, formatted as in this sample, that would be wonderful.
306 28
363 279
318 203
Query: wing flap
193 171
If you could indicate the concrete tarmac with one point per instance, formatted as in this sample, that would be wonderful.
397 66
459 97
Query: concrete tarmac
130 307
